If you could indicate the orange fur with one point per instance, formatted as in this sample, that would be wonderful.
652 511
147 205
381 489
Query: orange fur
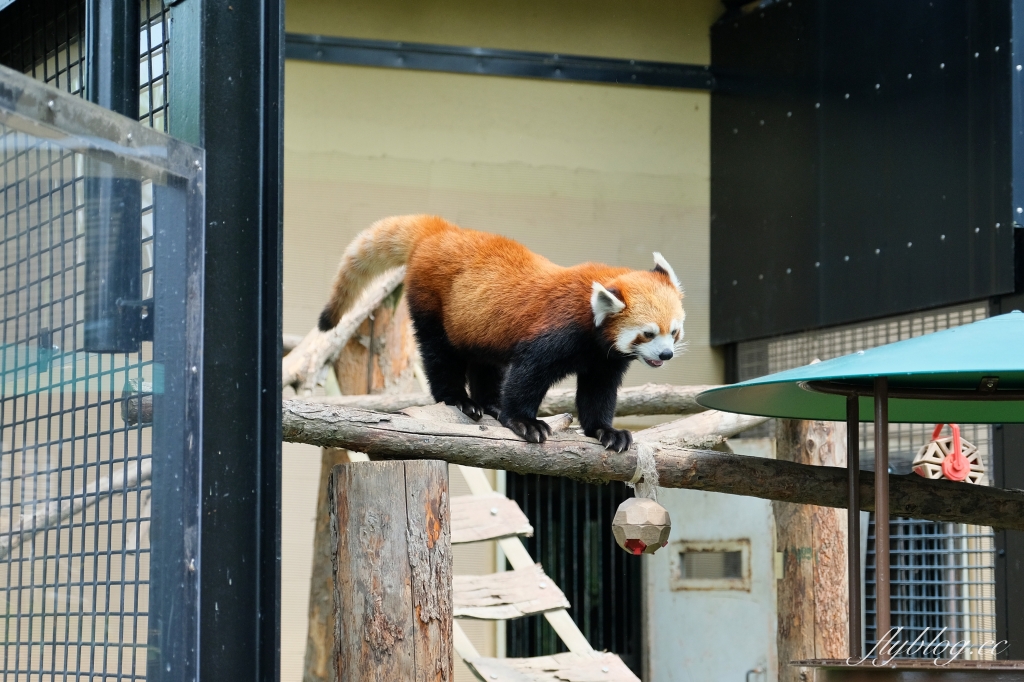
492 292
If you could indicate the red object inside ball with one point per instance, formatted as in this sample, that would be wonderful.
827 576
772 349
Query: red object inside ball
637 547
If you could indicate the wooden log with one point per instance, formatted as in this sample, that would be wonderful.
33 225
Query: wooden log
813 592
378 357
649 399
574 456
306 365
392 571
506 595
317 665
477 518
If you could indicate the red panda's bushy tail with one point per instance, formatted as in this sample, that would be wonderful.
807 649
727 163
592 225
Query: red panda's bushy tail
384 245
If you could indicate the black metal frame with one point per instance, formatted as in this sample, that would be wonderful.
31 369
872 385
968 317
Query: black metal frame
490 62
226 94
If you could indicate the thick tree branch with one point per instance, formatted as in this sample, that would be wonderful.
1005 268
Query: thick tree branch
633 400
305 366
574 456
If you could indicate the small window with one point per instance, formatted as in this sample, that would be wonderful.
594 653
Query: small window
703 565
711 564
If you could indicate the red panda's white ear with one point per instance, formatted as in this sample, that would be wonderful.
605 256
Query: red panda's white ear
661 265
604 303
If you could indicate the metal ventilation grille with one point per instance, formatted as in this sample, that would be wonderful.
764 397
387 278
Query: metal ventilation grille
943 575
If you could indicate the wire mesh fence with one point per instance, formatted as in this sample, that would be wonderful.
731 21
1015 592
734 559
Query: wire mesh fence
75 492
943 575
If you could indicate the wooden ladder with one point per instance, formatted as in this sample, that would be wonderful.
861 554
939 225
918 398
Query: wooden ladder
525 590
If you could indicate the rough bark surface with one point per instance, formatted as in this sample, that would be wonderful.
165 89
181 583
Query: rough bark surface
378 357
813 592
392 566
320 632
306 365
396 436
633 400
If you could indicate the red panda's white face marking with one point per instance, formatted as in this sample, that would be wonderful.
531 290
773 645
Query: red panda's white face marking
650 344
649 325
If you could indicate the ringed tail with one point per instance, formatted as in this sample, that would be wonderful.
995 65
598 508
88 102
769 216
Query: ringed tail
382 246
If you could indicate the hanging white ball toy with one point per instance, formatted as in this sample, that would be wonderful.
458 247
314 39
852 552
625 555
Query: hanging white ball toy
641 525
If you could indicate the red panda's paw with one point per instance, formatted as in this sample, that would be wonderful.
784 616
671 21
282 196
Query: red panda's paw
618 440
469 407
492 410
530 430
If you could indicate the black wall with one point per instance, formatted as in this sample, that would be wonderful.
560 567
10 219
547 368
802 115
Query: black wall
861 162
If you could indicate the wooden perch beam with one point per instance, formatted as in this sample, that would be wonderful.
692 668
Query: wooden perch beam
573 456
634 400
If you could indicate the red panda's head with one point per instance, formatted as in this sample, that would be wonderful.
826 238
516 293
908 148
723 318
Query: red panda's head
641 312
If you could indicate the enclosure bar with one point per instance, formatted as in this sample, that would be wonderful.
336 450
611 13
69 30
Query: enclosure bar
853 519
113 208
882 616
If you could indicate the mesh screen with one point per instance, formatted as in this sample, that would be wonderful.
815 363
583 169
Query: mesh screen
74 474
942 574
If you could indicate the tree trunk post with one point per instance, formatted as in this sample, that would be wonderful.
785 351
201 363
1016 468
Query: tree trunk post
377 359
813 592
392 565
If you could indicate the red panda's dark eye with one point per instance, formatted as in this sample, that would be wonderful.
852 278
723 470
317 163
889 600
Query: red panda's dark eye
648 335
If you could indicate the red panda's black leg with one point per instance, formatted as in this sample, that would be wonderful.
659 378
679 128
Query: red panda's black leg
526 383
596 394
443 364
485 387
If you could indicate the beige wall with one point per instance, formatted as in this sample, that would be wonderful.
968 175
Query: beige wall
576 172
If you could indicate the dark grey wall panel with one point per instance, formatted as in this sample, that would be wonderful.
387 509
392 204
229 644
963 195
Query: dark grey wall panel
764 170
895 195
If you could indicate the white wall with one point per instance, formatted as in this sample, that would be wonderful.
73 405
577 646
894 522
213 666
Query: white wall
704 635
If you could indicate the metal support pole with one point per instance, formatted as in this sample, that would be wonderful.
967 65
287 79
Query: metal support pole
113 202
882 616
853 519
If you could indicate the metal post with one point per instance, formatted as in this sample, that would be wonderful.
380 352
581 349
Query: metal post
113 204
853 519
882 616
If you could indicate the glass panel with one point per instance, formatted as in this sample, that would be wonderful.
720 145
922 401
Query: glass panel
100 231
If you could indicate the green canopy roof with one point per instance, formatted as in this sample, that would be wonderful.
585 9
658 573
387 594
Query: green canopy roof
949 365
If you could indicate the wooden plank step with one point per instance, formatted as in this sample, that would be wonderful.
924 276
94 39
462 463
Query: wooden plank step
475 518
567 667
507 595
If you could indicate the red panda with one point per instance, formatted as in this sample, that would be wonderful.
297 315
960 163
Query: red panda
488 312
